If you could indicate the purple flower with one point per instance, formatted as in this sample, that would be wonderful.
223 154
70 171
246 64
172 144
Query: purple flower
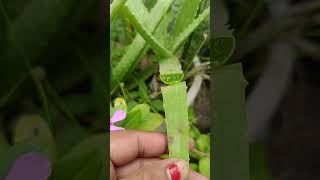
30 166
119 115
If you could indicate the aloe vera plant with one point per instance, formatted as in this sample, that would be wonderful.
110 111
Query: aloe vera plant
153 32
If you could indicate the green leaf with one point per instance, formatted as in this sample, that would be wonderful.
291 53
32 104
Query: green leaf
149 122
145 34
137 47
204 167
183 36
143 91
176 111
186 15
203 143
230 139
222 49
132 117
140 118
157 104
170 71
115 8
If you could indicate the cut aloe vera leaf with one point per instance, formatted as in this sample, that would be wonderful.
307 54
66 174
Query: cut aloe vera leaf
170 71
230 138
176 111
137 48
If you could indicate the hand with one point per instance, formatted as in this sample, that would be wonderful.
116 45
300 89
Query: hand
135 155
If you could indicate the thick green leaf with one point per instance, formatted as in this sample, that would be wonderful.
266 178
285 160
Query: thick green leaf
230 139
176 111
137 48
145 34
186 15
183 36
170 70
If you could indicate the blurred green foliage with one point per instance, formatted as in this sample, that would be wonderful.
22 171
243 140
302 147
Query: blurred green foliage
53 85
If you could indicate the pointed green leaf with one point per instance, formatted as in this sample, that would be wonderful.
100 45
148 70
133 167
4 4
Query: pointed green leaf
145 34
186 15
136 49
183 36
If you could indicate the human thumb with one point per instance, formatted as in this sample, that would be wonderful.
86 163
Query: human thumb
168 169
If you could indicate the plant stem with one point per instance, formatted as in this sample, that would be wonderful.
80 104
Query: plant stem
115 7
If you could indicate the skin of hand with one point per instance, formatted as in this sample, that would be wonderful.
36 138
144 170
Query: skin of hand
134 155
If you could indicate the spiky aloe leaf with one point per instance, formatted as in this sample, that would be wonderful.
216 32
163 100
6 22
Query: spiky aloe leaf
152 41
186 15
176 111
183 36
136 49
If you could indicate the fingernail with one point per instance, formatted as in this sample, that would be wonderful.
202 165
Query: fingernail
178 170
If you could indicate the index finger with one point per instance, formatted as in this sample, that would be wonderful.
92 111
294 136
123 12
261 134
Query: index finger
126 146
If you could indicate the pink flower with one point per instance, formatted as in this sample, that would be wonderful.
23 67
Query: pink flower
119 115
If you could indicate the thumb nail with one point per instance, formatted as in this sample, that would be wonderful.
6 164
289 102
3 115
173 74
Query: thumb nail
178 170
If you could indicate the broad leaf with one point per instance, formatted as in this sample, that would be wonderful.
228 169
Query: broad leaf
140 118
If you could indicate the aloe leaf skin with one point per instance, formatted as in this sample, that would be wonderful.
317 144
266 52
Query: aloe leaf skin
176 111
